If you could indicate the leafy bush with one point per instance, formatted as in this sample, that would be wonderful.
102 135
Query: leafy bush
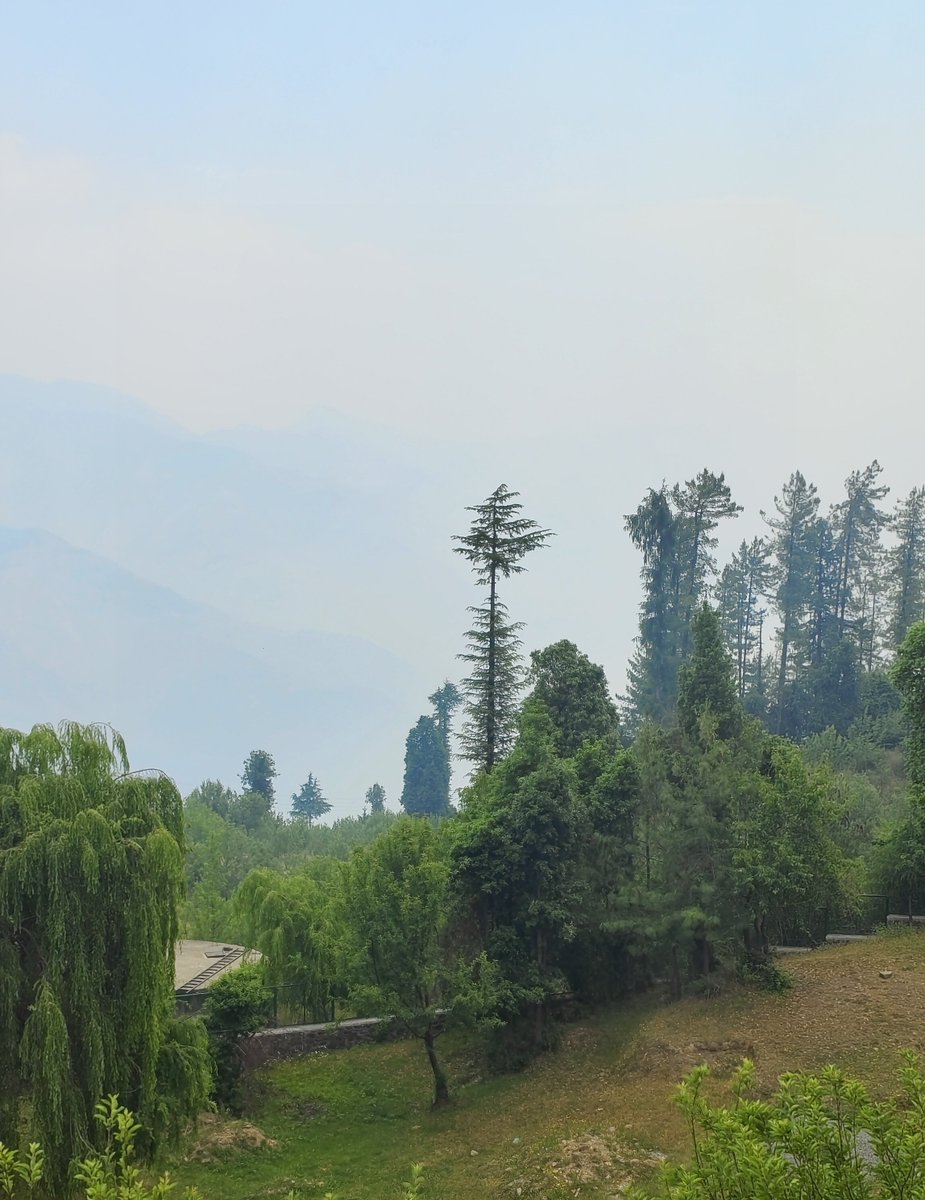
818 1136
766 975
238 1005
110 1175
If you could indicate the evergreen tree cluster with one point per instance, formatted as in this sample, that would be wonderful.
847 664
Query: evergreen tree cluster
810 613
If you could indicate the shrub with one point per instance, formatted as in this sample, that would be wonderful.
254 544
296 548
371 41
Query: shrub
818 1136
109 1175
238 1005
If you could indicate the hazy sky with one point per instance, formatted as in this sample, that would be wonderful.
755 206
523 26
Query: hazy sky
623 214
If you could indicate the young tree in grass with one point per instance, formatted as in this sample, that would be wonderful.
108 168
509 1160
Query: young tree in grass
91 873
499 538
394 912
308 802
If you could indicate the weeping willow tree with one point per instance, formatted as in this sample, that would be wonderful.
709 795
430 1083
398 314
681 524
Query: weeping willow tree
287 918
91 873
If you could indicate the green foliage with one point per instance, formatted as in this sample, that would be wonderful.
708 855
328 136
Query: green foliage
446 699
513 855
288 919
674 530
425 789
575 693
497 541
394 911
820 1136
308 802
906 566
213 794
705 683
765 974
375 798
221 853
238 1004
740 590
91 874
908 675
108 1175
258 775
251 810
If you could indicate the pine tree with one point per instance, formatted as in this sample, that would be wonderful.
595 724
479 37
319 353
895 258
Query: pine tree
741 589
908 675
425 790
857 522
308 802
497 541
701 504
905 567
675 532
793 573
653 672
91 874
706 686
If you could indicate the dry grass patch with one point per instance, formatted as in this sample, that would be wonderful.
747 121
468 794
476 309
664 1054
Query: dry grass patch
218 1137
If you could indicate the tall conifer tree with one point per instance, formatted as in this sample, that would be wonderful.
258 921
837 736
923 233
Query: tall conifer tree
499 538
793 574
905 566
675 530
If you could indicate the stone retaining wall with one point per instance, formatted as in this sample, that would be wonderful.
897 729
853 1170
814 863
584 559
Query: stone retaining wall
294 1041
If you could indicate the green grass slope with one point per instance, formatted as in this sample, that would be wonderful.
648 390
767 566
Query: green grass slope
586 1121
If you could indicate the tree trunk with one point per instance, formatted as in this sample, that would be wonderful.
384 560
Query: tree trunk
441 1090
675 973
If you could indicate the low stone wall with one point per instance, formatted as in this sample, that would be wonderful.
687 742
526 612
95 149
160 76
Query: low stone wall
294 1041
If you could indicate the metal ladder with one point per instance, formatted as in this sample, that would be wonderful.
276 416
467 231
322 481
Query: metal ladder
199 982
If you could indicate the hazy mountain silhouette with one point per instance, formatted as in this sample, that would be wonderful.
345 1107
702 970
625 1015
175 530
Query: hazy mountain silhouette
191 689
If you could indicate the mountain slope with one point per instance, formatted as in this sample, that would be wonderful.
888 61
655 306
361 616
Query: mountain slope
192 689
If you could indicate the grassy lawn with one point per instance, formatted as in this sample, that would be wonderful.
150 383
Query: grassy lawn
581 1122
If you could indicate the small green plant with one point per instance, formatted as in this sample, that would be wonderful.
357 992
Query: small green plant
109 1175
16 1169
766 975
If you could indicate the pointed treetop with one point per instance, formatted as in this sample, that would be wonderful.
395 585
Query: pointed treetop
499 537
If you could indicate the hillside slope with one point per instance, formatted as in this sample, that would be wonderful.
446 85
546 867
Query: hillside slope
585 1121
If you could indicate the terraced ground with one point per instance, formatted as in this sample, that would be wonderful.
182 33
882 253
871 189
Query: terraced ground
585 1121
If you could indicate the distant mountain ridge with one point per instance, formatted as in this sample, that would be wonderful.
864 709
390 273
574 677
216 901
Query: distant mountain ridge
191 689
